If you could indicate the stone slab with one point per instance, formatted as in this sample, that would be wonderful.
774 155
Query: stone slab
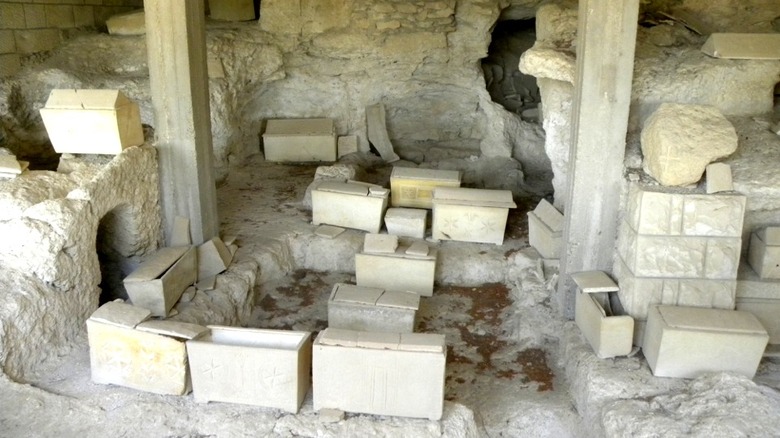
413 187
380 243
180 235
300 140
112 121
407 381
120 314
172 329
267 368
743 45
688 342
763 258
381 271
377 132
359 210
719 178
544 238
608 335
329 231
156 287
372 309
594 282
214 257
550 216
409 222
9 164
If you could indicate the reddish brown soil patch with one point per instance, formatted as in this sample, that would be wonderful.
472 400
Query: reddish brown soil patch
534 364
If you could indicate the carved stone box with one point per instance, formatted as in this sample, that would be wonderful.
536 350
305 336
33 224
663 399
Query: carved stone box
471 215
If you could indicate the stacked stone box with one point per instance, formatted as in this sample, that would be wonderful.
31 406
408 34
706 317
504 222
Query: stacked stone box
678 249
372 309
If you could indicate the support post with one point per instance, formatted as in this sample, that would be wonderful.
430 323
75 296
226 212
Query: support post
176 45
606 41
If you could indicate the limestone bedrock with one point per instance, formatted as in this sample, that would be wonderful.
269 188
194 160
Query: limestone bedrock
679 141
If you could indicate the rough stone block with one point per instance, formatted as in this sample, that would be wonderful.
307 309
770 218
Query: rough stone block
397 374
413 187
743 46
408 222
380 243
267 368
371 309
471 215
608 335
150 357
300 140
350 205
158 283
678 141
213 258
545 228
328 231
92 121
764 258
128 23
381 271
688 342
232 10
719 178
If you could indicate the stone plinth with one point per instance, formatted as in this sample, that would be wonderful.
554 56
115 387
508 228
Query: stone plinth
372 309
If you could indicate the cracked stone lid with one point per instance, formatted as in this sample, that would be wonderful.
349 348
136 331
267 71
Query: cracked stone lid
86 99
120 314
473 197
450 176
718 320
343 187
549 215
400 300
347 293
174 329
308 127
429 342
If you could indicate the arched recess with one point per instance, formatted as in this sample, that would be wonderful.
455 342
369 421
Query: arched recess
113 243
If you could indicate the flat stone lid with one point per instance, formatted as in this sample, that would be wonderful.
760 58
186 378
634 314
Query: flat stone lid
419 342
549 215
156 265
594 281
399 300
86 99
348 293
401 252
473 197
120 314
287 127
452 176
406 213
174 329
343 187
717 320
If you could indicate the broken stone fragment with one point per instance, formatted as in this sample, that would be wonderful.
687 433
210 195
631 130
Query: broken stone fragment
679 141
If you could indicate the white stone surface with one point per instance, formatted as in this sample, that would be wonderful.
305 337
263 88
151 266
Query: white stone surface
679 141
328 231
409 222
180 236
347 144
381 271
766 311
594 282
377 132
251 366
719 178
159 282
300 140
213 258
111 121
370 309
348 205
356 376
545 230
380 243
764 258
413 187
743 46
688 342
127 24
338 172
471 215
608 335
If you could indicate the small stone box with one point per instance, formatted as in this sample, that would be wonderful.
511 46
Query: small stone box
398 374
609 335
471 215
160 280
764 252
405 270
92 121
127 349
413 187
409 222
372 309
300 140
545 228
349 204
690 341
267 368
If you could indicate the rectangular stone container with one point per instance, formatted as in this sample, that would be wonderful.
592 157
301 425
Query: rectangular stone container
413 187
382 271
159 281
92 121
148 356
372 309
688 341
300 140
608 335
267 368
349 205
764 254
399 374
408 222
545 230
471 215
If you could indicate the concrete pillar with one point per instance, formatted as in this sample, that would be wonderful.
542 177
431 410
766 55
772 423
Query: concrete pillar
606 39
176 45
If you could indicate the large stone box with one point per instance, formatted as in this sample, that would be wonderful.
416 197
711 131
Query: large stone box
299 140
413 187
372 309
92 121
159 281
267 368
349 204
690 341
397 271
609 335
545 230
471 215
380 373
408 222
128 350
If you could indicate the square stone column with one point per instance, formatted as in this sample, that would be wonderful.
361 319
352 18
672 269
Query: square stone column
176 45
606 40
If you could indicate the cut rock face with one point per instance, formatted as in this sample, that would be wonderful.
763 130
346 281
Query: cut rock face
679 141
